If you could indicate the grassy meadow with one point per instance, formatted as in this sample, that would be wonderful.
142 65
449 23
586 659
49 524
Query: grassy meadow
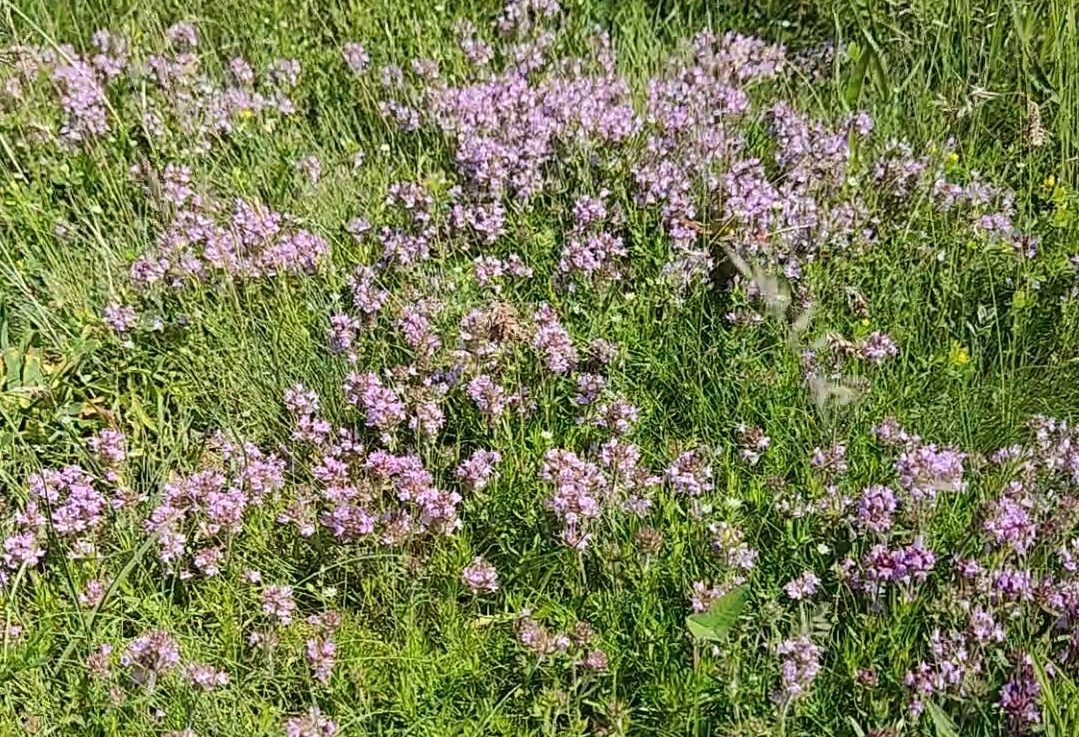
603 368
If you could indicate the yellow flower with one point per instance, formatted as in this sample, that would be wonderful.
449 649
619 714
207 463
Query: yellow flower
246 113
958 356
1050 182
953 158
865 322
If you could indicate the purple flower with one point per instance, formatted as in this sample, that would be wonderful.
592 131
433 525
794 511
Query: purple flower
618 416
208 560
311 724
831 462
342 332
490 398
589 386
579 487
320 655
277 602
380 404
876 506
108 446
1009 522
285 72
753 442
150 656
301 401
182 35
537 638
801 664
480 576
595 661
878 347
120 318
924 470
703 596
729 542
311 167
97 662
356 57
204 677
94 593
593 254
689 474
1020 697
479 469
802 587
553 341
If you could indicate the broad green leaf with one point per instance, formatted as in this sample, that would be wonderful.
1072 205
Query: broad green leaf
942 723
720 617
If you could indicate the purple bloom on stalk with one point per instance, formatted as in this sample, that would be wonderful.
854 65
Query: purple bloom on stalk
108 446
277 602
729 542
593 254
878 347
480 576
1009 522
381 405
311 167
83 101
285 72
553 341
1011 585
579 486
150 656
356 57
924 470
800 667
754 442
1020 697
92 596
803 587
876 506
320 654
618 416
204 677
120 318
596 661
703 596
182 35
589 386
208 560
689 474
366 295
358 227
301 401
982 627
479 469
176 185
490 398
342 332
97 662
311 724
241 71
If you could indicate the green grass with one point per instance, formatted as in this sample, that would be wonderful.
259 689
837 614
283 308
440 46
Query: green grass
418 655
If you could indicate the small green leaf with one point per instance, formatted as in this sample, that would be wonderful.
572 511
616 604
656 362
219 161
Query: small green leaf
720 617
942 723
